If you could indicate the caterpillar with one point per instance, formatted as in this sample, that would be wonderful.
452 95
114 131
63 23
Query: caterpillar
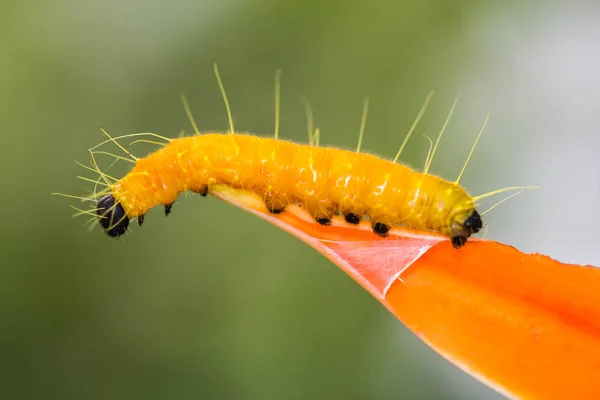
324 181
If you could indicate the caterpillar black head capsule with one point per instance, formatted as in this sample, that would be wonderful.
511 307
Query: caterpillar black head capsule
112 216
472 224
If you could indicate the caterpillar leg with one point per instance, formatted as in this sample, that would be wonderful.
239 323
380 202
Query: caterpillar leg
275 204
168 208
323 214
202 191
380 229
458 241
323 221
352 218
140 219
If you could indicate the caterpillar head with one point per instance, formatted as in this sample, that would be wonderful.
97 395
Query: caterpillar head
112 215
464 226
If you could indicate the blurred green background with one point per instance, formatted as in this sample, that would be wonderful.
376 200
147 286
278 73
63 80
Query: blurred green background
213 302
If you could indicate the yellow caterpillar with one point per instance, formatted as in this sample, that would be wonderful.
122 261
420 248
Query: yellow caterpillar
325 181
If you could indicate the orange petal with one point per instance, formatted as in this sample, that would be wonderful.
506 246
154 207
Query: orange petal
524 324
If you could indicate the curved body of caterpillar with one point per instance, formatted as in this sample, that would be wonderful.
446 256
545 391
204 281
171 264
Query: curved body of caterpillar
324 181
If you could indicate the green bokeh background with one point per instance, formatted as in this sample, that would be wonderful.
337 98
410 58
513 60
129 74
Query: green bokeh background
213 302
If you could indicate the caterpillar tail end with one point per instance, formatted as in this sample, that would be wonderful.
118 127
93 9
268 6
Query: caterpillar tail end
112 216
